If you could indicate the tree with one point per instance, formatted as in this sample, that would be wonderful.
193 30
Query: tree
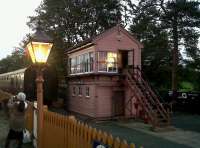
179 19
155 54
71 21
14 61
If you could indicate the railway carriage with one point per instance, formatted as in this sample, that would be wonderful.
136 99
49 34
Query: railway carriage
24 80
12 81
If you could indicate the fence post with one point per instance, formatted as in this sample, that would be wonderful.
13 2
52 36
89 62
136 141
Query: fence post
117 143
81 134
67 132
94 134
85 137
89 137
99 135
132 145
105 137
110 140
124 144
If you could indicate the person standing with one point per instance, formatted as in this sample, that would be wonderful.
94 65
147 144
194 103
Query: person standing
17 108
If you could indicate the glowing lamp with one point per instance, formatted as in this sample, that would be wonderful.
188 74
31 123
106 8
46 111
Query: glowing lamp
39 47
111 59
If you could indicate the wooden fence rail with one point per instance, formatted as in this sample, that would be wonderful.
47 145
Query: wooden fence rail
29 117
67 132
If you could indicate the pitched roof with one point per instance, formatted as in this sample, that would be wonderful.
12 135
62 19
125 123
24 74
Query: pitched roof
80 44
102 34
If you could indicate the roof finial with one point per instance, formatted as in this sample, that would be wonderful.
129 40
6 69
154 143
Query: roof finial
118 32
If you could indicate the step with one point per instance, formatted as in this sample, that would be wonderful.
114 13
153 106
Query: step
162 120
162 124
163 129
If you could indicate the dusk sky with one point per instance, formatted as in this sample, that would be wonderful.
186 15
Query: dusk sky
14 15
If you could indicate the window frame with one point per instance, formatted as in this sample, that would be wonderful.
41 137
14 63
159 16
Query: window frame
74 91
80 92
87 92
84 63
106 63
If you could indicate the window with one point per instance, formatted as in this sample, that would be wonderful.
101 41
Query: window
130 58
81 63
111 62
91 61
74 91
102 61
87 92
78 64
73 65
79 91
107 62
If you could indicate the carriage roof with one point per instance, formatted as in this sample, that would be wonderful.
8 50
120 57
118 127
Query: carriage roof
14 72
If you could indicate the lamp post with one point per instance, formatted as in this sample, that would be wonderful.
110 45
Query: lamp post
39 47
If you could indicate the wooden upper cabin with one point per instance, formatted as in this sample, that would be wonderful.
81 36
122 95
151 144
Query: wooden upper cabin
109 52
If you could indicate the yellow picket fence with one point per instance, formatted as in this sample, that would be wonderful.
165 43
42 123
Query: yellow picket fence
29 117
67 132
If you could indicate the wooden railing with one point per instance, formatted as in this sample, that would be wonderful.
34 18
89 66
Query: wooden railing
153 96
147 97
66 132
29 117
141 98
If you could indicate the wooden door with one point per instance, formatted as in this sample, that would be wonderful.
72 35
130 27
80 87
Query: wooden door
118 103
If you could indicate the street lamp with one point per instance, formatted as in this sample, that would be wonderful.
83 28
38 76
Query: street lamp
39 47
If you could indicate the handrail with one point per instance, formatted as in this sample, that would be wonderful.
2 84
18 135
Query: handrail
141 101
141 96
152 93
146 79
153 98
145 82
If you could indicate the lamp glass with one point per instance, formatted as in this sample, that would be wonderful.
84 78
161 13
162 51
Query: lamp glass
39 51
31 52
111 59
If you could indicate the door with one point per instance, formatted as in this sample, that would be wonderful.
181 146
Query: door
124 59
118 103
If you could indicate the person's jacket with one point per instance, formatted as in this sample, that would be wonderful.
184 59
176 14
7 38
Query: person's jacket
16 118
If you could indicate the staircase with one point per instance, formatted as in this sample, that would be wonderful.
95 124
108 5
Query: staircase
147 98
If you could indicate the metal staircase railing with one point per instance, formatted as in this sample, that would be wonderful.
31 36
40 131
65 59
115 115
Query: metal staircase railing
148 99
141 98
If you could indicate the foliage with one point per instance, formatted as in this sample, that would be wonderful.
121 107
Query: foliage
165 28
71 21
186 86
14 61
